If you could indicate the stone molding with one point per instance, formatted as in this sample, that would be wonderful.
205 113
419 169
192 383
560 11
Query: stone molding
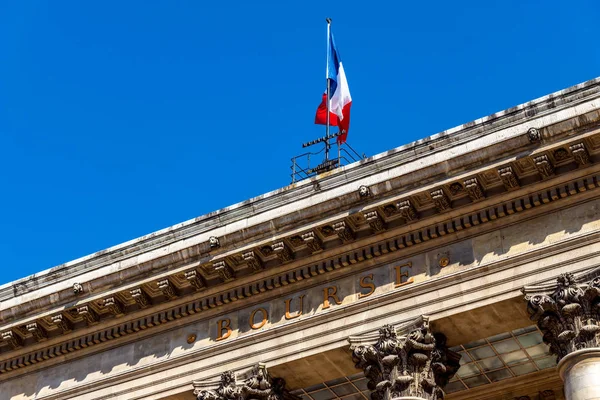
567 312
255 384
548 195
520 116
406 361
192 361
488 183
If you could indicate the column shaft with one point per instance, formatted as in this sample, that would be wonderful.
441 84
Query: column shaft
580 371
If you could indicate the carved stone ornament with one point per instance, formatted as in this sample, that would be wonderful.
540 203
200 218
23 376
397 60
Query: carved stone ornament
283 252
12 339
533 135
313 242
407 211
543 165
225 272
37 331
363 191
508 177
375 221
89 316
257 384
474 189
252 261
567 312
140 297
62 322
408 361
344 232
213 242
389 210
195 279
560 154
166 287
580 153
77 288
440 200
113 306
455 188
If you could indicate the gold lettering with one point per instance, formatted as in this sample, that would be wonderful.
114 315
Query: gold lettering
366 285
287 308
330 292
224 324
261 323
402 274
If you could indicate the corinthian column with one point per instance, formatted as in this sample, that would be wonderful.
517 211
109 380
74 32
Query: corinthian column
405 363
568 313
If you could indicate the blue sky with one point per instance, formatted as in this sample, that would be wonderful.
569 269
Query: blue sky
121 118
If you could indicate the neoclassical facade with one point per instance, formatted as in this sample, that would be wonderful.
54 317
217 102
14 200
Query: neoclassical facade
463 266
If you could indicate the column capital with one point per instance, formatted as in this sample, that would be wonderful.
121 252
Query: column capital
567 312
408 361
255 384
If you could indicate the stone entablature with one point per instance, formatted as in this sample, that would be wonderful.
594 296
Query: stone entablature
87 316
501 135
162 355
341 228
398 213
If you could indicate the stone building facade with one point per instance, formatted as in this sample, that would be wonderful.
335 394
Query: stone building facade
462 266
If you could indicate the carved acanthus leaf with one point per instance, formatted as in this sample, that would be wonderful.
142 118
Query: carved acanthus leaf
252 261
580 153
140 297
62 322
283 252
38 332
259 385
113 306
508 177
312 241
344 231
474 189
417 365
225 272
167 289
543 165
88 314
195 279
407 211
568 317
440 200
375 221
13 339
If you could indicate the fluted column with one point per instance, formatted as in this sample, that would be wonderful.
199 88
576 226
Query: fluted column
405 363
255 384
568 314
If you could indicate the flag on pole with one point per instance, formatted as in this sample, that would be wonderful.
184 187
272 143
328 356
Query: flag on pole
339 94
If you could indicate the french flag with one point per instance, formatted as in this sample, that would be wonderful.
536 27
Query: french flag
340 100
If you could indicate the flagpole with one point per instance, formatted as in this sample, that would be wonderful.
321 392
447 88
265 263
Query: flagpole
328 88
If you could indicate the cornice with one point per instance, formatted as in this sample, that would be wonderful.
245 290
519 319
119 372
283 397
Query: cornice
193 299
368 219
132 253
